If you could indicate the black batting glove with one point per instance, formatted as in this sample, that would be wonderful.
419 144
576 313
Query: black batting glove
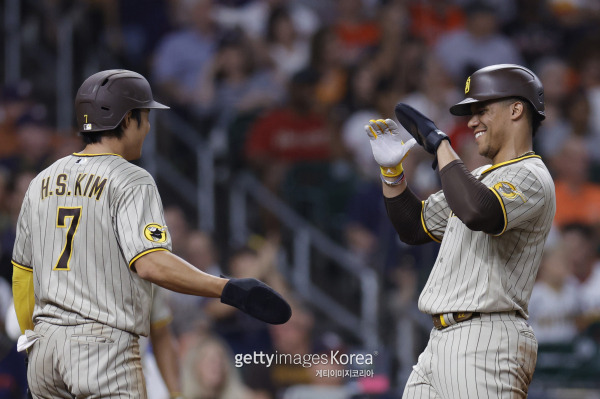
257 299
421 128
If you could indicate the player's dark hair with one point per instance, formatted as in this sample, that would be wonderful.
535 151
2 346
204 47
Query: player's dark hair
96 137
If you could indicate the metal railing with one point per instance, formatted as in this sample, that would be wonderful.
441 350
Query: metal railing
200 193
12 41
307 238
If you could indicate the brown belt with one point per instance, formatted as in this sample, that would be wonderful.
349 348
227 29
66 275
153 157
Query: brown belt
441 321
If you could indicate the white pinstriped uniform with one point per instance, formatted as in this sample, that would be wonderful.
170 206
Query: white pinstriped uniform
492 356
83 222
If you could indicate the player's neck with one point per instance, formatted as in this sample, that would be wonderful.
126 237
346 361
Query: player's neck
108 145
515 147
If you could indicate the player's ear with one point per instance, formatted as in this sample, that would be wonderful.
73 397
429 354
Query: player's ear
517 110
126 120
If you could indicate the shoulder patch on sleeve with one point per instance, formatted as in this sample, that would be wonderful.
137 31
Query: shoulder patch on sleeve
155 232
508 190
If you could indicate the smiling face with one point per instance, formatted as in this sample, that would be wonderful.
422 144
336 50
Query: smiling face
489 122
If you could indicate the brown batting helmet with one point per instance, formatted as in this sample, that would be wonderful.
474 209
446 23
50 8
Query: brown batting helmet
502 81
104 99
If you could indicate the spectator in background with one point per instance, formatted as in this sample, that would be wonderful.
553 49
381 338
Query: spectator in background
505 10
356 31
589 71
181 56
435 93
209 372
252 16
293 337
14 104
179 228
189 313
243 333
576 123
326 59
34 143
577 199
557 78
234 83
554 304
581 245
534 32
288 50
478 45
294 133
432 19
142 28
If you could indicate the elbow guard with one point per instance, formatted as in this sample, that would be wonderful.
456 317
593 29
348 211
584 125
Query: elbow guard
471 200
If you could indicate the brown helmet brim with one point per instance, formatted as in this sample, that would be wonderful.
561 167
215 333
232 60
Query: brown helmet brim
157 105
463 108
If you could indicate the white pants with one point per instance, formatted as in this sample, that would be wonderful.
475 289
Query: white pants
492 356
85 361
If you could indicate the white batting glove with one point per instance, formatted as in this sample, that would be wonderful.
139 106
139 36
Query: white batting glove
389 150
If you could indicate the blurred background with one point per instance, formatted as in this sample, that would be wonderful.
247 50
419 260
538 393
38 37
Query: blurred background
265 170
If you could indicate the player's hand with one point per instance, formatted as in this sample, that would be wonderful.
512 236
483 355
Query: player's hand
388 148
420 127
257 299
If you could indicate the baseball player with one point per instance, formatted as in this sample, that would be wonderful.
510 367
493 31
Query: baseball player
492 224
91 238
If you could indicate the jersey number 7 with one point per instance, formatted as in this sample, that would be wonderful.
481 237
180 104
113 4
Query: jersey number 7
74 213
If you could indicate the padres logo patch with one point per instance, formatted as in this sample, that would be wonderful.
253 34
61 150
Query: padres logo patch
507 190
468 85
155 232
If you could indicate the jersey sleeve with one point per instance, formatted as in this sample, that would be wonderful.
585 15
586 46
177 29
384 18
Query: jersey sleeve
139 222
521 195
22 253
434 216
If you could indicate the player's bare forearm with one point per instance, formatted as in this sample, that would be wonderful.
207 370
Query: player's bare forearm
165 353
169 271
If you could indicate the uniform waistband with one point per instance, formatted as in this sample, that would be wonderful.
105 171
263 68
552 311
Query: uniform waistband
444 320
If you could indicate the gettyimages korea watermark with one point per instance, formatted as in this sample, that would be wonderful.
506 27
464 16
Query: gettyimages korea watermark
357 363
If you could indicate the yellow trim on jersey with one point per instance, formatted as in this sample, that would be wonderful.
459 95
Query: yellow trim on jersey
23 296
423 223
78 154
509 162
23 267
144 253
161 323
503 211
444 324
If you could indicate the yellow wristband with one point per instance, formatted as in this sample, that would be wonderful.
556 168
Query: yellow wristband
392 171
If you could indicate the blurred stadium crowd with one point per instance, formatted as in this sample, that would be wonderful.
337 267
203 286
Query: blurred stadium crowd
289 85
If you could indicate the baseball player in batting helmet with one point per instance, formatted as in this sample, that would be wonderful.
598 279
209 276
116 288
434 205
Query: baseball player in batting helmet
91 238
492 224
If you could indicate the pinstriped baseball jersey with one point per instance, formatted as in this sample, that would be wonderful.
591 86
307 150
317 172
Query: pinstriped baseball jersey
84 221
479 272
